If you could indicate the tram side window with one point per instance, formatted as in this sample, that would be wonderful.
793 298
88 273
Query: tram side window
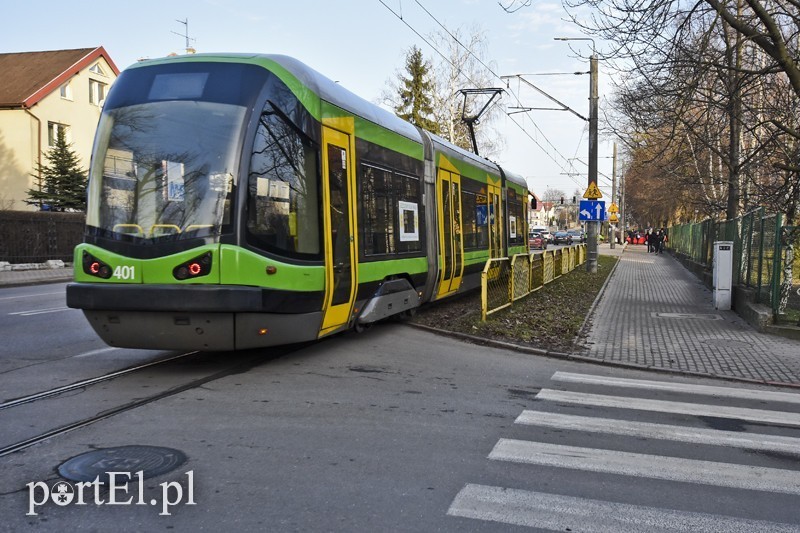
475 219
516 220
283 190
409 232
469 220
391 217
379 218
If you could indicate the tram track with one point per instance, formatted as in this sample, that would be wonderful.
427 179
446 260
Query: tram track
88 382
238 366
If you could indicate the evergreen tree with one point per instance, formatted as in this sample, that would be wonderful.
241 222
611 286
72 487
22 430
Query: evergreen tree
416 92
60 184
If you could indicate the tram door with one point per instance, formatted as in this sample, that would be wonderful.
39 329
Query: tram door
451 251
495 221
338 184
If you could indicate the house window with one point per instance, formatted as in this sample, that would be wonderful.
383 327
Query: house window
66 91
97 92
97 69
52 132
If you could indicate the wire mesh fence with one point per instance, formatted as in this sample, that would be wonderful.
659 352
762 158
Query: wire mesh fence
505 279
764 256
495 286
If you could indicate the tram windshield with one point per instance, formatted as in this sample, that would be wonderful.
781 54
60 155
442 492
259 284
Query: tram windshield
165 159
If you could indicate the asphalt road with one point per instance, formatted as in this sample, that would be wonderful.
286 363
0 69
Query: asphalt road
396 429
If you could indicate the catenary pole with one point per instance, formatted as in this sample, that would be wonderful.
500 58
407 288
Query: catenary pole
591 259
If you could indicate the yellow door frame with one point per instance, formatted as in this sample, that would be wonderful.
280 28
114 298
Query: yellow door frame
338 132
450 275
495 215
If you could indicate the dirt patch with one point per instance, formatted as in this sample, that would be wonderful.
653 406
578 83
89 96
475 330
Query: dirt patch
549 319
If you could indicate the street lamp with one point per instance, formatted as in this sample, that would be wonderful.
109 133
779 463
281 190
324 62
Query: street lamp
591 260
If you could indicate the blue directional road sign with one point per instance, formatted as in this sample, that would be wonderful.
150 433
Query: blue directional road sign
592 210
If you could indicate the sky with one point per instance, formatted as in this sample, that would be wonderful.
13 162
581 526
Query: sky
361 44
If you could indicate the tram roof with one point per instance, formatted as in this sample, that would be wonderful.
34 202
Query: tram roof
336 94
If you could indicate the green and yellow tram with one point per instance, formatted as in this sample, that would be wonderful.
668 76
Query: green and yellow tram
240 201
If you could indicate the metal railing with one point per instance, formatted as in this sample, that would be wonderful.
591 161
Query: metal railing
505 280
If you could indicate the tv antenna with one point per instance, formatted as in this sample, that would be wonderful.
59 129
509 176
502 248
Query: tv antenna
189 49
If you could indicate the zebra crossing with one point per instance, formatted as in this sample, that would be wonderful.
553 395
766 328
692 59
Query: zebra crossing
545 510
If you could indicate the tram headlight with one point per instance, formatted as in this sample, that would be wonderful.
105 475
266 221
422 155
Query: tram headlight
194 268
95 267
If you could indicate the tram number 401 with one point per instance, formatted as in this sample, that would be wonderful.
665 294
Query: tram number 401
125 272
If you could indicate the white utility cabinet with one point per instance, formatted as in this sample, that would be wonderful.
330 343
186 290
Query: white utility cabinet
723 274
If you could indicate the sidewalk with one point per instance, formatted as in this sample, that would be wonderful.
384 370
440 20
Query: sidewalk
18 278
653 313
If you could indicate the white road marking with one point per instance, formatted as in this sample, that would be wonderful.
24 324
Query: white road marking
582 515
710 390
33 312
694 409
647 430
648 466
30 295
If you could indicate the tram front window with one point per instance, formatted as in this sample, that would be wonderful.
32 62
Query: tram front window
165 169
166 154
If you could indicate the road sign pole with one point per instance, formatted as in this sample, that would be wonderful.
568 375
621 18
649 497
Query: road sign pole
591 256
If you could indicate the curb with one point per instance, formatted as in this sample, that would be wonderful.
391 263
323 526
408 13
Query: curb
584 359
31 282
593 307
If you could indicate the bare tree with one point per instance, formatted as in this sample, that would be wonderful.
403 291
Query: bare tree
459 64
698 80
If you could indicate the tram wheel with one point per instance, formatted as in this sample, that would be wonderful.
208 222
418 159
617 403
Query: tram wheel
360 327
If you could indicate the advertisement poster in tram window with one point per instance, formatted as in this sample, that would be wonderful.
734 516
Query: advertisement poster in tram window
409 217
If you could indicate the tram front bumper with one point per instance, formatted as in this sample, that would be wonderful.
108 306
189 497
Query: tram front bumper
198 317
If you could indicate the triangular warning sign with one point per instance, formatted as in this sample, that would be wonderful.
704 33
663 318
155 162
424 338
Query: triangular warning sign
592 192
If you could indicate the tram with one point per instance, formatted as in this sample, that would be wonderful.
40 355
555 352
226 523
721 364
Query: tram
239 201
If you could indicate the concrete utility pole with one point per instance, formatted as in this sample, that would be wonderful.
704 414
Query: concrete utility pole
591 225
591 259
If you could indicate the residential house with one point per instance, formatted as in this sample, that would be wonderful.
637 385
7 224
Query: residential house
542 216
41 93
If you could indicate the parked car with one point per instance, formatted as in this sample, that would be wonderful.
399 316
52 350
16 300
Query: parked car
537 241
544 233
562 237
577 235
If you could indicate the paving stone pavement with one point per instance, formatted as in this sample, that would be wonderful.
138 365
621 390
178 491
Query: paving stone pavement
654 313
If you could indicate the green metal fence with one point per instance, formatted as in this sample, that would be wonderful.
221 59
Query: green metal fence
505 279
764 256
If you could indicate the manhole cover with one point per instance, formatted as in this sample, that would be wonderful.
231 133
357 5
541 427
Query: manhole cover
690 316
150 460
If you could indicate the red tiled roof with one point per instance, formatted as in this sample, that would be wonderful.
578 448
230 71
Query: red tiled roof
27 77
